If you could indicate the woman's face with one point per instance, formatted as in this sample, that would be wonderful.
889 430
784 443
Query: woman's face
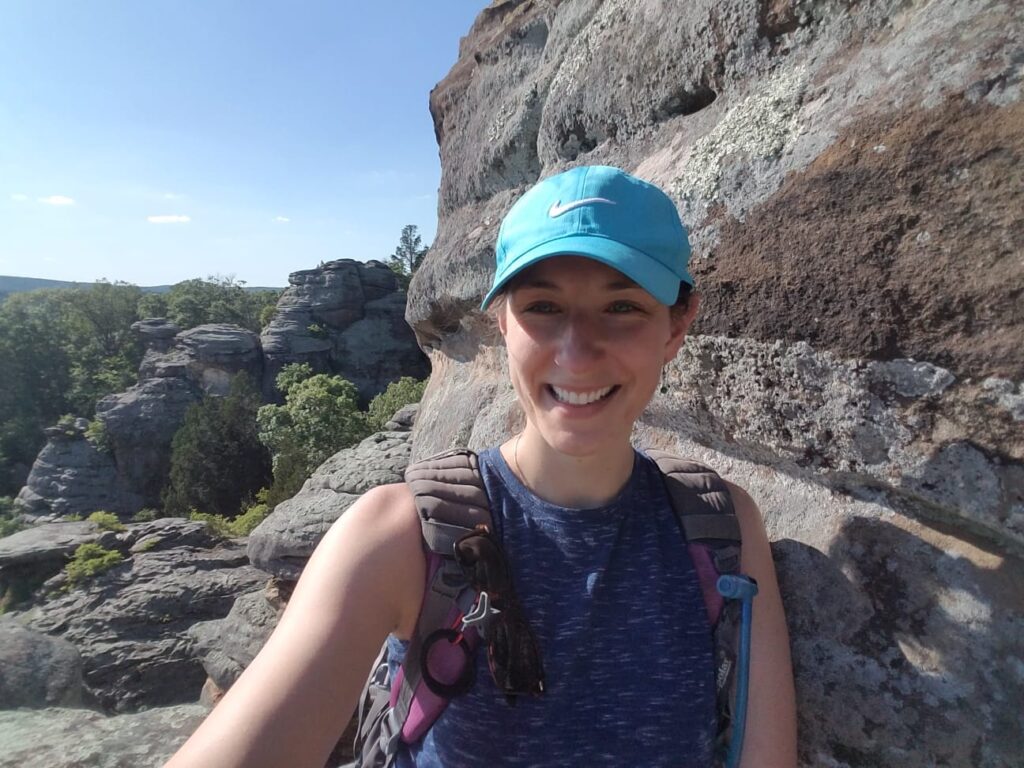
585 347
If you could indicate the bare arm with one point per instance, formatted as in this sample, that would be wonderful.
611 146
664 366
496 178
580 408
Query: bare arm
364 580
770 740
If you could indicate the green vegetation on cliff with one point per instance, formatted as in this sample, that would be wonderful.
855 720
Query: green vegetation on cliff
63 349
217 460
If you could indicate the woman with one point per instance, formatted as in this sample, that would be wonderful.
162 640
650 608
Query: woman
591 295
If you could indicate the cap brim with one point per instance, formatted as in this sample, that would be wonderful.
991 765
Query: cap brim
655 278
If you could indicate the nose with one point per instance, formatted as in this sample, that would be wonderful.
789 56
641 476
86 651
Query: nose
579 344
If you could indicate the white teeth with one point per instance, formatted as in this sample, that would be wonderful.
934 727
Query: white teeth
579 398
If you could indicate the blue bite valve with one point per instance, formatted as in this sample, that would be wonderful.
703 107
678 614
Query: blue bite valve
742 588
733 587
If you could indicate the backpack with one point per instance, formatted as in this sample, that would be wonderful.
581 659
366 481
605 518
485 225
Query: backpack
451 501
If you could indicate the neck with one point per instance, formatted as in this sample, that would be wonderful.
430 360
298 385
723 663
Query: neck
568 481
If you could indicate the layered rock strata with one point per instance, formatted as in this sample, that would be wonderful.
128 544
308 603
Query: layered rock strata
346 318
851 177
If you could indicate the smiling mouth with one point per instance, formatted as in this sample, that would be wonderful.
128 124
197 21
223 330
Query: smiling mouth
581 398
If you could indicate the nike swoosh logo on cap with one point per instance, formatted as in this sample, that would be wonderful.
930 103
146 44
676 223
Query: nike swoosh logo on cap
557 209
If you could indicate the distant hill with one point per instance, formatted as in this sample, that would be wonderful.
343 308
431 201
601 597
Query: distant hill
10 284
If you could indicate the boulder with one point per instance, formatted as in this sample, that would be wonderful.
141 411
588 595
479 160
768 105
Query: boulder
282 543
140 424
73 476
346 318
156 333
207 356
32 556
849 179
37 670
227 646
74 738
130 624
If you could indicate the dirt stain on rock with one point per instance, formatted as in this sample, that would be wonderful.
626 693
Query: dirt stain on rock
903 239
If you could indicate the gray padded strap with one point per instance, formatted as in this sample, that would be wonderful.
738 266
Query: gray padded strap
700 499
441 537
450 500
448 489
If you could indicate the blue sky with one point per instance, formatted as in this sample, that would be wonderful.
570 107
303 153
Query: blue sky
155 141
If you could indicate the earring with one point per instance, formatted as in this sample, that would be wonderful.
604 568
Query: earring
664 384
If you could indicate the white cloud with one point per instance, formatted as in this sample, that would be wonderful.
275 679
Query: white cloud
19 197
57 200
168 219
281 219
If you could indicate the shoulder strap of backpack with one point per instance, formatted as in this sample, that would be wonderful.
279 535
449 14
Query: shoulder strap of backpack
703 506
451 501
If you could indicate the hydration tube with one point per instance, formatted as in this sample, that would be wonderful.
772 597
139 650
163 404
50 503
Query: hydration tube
743 588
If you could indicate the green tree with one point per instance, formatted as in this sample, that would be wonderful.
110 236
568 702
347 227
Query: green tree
398 394
218 300
408 255
153 305
320 416
103 351
217 459
34 377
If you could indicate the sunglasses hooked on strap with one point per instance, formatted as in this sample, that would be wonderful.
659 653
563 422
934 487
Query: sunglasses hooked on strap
513 654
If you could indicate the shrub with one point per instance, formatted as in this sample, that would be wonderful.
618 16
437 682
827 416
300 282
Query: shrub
90 560
106 521
9 522
217 459
398 395
320 416
96 433
217 524
145 515
66 423
242 525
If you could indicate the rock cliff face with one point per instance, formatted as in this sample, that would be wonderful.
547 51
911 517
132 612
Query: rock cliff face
851 176
345 317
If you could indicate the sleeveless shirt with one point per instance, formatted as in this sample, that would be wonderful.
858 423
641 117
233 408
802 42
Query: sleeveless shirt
617 608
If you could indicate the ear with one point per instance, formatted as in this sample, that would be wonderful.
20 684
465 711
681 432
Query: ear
680 325
502 317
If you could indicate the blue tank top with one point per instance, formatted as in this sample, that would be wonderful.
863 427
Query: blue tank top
615 602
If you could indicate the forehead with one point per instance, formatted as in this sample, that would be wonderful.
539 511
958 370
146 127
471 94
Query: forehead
565 272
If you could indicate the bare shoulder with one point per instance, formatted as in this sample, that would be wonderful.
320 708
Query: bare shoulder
747 513
381 532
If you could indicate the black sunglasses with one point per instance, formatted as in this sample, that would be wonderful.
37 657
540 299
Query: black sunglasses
513 654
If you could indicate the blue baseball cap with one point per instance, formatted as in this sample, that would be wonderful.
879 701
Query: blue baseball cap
602 213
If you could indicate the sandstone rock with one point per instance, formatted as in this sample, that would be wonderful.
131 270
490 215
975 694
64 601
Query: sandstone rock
851 184
72 476
157 333
36 670
282 543
346 318
208 356
74 738
130 623
227 646
30 557
140 424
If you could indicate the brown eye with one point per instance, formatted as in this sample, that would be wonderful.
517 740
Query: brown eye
624 307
